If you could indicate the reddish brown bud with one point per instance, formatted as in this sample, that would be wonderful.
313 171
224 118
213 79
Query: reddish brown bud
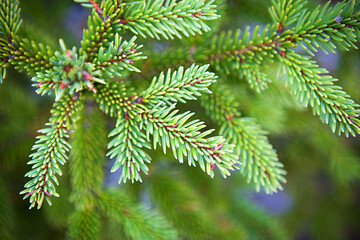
212 165
67 68
218 147
230 117
196 14
40 84
131 97
280 29
126 116
267 174
87 76
96 6
282 53
69 54
64 85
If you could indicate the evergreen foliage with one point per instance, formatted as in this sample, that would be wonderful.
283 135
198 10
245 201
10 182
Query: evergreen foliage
105 70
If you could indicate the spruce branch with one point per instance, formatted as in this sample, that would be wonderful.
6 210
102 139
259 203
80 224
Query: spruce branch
166 128
313 86
30 56
51 148
286 12
87 156
185 139
127 146
84 224
103 24
139 222
260 163
113 98
179 202
9 19
221 105
228 50
151 117
9 25
86 170
167 19
179 86
257 79
120 55
326 27
70 74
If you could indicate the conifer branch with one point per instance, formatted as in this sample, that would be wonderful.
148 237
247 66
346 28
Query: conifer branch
139 222
86 167
221 105
313 86
51 148
167 19
69 74
173 131
104 55
229 50
179 85
30 56
179 202
84 224
260 163
166 128
257 79
339 25
112 98
127 146
327 27
153 18
22 53
103 23
286 12
120 55
9 25
9 19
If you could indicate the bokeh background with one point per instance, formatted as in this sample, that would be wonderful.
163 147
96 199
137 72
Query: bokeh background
320 200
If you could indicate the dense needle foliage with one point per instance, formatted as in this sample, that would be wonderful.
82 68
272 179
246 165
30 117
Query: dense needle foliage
246 79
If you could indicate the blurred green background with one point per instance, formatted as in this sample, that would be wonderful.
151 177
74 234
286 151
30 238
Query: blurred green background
320 201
